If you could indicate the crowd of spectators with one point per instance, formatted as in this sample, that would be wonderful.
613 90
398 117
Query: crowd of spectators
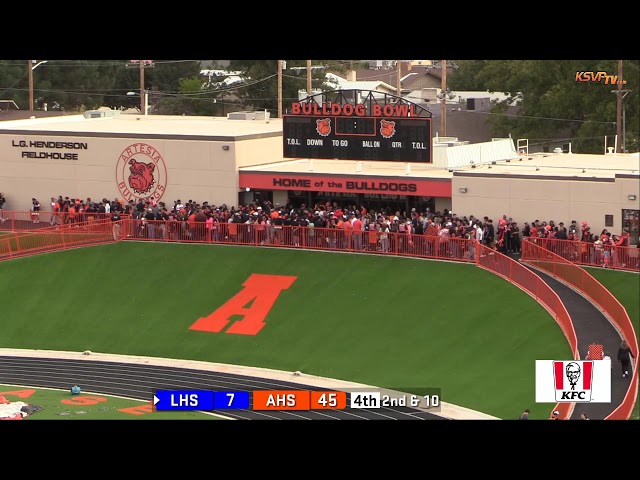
203 220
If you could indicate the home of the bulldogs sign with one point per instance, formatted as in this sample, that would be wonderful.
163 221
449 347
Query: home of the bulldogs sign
141 172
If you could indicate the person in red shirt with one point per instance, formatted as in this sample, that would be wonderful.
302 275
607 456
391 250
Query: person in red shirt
621 252
347 227
191 220
55 209
357 233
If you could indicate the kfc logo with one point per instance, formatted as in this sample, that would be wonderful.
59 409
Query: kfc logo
141 173
573 381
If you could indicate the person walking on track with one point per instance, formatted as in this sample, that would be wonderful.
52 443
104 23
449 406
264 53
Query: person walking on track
624 357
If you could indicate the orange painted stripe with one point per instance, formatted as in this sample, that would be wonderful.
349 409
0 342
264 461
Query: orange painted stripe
281 399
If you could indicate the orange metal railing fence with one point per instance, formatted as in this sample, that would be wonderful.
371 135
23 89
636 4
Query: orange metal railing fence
592 254
28 221
61 237
422 246
99 229
572 274
532 284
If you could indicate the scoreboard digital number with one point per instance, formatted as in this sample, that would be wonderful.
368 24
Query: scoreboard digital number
400 139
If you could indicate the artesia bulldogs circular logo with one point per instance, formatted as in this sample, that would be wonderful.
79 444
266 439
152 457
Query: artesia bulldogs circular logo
141 172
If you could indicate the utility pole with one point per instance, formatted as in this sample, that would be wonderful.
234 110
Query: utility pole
141 65
280 88
619 116
30 66
621 127
398 72
143 103
309 78
443 106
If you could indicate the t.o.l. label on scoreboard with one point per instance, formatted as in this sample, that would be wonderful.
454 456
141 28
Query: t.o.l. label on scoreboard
573 381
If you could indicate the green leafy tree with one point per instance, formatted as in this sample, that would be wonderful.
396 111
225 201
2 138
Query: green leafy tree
71 85
260 88
162 80
552 105
74 85
194 98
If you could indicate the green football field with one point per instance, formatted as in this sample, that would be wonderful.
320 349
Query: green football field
398 323
61 405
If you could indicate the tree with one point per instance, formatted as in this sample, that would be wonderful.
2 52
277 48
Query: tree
163 80
73 84
193 98
260 88
552 105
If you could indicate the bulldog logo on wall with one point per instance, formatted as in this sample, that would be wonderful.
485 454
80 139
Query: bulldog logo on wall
141 173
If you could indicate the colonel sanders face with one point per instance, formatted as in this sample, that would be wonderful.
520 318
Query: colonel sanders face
573 373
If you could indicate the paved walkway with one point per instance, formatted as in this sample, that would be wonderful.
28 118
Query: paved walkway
592 327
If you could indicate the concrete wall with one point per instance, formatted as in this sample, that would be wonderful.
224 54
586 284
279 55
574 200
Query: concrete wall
280 196
442 203
258 151
98 167
544 200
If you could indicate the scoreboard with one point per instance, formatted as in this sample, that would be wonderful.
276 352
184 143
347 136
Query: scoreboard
401 139
259 400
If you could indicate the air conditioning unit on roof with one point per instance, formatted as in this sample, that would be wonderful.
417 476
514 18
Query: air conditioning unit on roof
101 113
259 115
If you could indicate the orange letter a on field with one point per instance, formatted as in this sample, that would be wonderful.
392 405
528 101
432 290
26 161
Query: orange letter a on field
263 290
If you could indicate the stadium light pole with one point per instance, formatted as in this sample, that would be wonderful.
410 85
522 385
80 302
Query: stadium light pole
32 67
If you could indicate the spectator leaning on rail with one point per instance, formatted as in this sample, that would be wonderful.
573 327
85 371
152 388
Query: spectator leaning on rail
35 210
2 202
621 253
115 218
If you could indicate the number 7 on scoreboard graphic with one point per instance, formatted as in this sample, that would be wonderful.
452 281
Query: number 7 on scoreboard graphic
230 400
